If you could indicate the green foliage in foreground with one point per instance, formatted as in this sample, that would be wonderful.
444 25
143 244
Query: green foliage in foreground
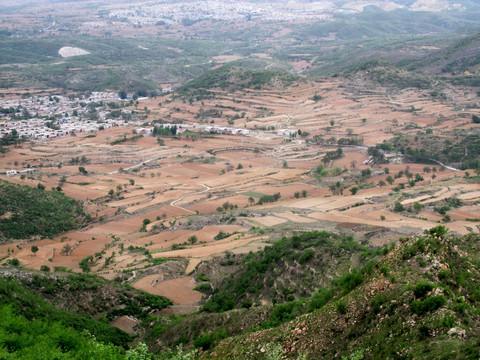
33 212
32 307
42 338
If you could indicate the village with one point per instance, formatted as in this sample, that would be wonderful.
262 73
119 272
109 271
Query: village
46 117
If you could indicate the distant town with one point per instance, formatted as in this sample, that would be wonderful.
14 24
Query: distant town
46 117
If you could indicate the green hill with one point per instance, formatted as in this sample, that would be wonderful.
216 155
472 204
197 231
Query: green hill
27 212
231 78
64 316
419 301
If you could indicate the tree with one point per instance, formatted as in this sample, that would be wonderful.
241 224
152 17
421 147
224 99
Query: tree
417 206
34 249
40 186
476 119
192 239
418 177
398 207
66 250
304 193
82 170
251 200
390 179
122 94
354 190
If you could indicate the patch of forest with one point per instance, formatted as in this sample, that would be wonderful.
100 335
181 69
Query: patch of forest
27 212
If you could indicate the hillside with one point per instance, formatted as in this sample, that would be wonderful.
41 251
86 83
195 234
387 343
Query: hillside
233 78
64 315
27 212
419 301
381 72
463 55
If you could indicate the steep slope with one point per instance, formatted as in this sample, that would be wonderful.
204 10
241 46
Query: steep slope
419 301
461 56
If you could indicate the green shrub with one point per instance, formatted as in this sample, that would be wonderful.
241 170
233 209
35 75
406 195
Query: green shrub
422 288
432 303
321 297
341 307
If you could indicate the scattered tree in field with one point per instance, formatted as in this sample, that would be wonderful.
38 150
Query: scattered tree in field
476 119
66 250
417 206
337 188
82 170
192 239
398 207
354 190
34 249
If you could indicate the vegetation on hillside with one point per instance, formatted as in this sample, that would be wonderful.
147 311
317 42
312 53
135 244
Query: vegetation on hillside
89 295
419 301
460 148
289 269
233 78
27 212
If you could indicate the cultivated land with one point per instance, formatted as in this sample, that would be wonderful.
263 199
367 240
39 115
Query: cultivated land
193 188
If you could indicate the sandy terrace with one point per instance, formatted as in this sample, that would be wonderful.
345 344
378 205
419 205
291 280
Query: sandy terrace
180 290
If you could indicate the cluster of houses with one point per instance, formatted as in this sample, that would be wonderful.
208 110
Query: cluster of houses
10 173
37 129
73 113
184 127
226 130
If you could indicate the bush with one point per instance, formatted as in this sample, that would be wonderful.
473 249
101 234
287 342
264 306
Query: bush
421 307
321 297
398 207
349 281
341 307
422 288
306 256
